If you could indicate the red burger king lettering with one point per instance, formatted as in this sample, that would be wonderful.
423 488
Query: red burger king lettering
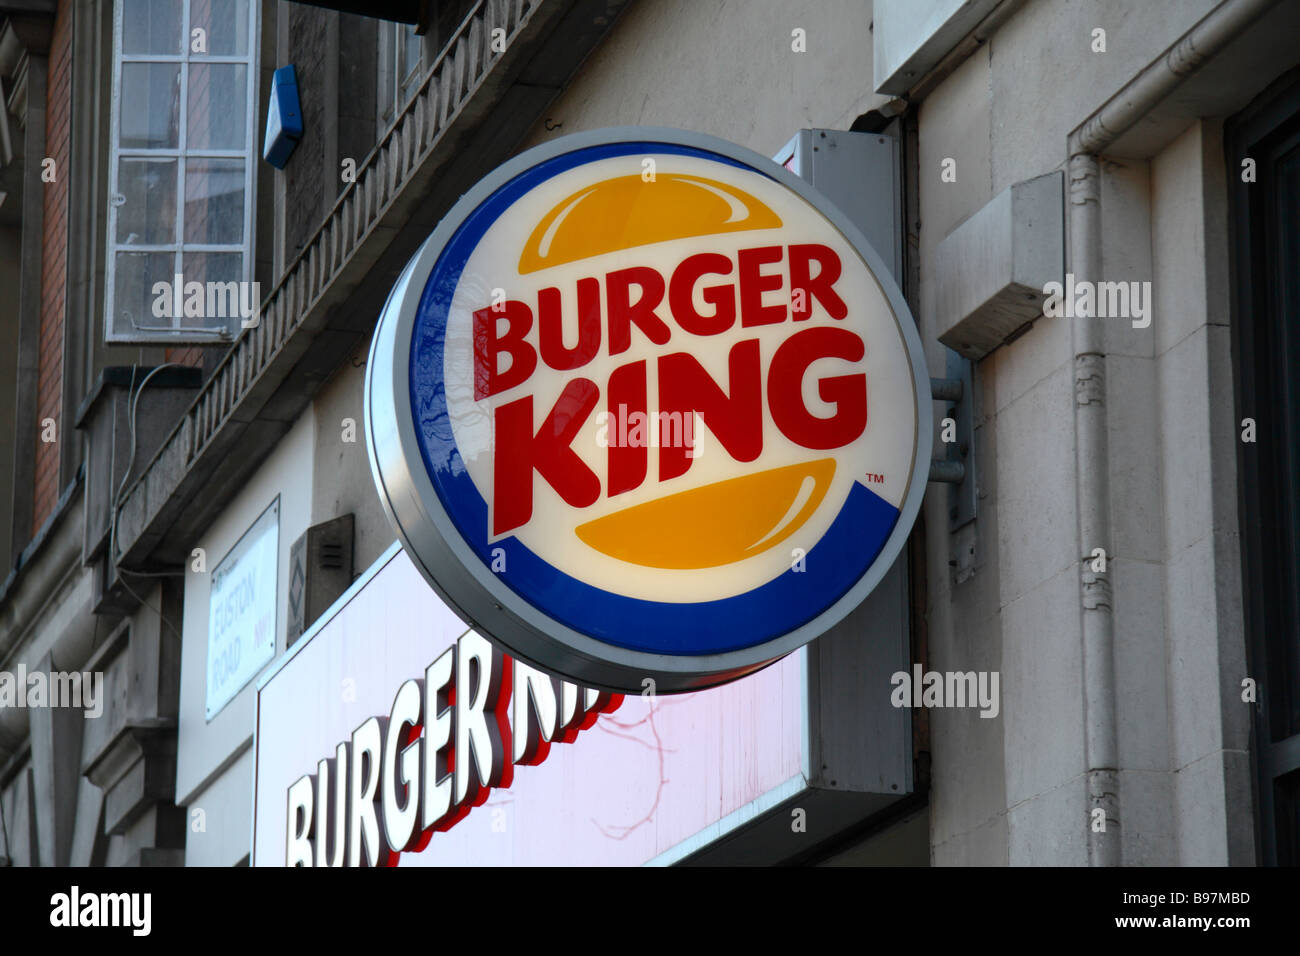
506 359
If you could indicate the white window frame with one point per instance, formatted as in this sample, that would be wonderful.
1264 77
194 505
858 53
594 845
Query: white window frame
153 331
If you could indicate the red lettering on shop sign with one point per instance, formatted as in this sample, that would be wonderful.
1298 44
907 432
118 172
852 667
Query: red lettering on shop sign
820 286
736 418
632 297
754 282
732 409
519 451
550 331
624 313
848 393
490 342
681 295
627 461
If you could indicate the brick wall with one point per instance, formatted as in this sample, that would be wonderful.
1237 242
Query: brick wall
307 195
190 355
54 246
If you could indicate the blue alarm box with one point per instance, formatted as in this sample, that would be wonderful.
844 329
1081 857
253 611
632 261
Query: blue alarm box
283 118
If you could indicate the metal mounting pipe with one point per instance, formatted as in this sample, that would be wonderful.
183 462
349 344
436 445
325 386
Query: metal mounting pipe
1092 462
946 389
946 471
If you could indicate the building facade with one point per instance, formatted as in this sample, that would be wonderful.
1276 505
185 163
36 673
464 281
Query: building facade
1093 204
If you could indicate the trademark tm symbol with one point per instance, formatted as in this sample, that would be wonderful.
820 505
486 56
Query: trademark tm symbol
874 478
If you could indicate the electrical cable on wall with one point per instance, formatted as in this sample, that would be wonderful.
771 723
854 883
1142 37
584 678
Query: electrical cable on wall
133 403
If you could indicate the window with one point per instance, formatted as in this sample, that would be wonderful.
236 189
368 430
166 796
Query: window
180 222
400 69
1266 347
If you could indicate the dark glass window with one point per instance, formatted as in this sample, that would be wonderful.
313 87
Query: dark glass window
1265 223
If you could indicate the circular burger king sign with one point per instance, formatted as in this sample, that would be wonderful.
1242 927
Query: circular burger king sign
646 406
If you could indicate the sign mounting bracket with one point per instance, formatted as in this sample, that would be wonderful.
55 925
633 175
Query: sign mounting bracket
957 435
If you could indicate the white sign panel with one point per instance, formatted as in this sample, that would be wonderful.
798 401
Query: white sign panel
241 610
594 780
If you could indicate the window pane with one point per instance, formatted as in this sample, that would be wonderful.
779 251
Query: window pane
226 23
214 201
387 86
409 87
408 73
212 266
150 101
133 297
218 114
148 215
410 50
227 298
151 26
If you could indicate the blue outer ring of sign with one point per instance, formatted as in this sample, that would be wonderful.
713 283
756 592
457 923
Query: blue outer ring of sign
840 558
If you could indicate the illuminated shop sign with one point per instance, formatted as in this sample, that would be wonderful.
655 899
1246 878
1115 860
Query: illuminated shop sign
449 739
648 779
644 409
